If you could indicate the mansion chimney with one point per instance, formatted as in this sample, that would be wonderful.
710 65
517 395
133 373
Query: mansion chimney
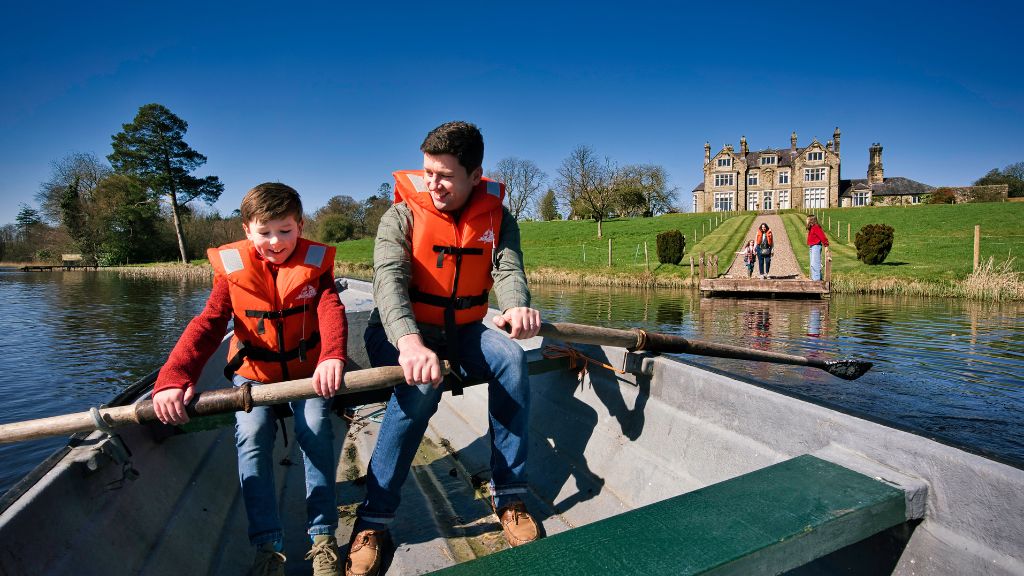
835 139
792 141
743 145
707 153
875 173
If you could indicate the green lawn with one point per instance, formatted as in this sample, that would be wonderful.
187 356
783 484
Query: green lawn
933 243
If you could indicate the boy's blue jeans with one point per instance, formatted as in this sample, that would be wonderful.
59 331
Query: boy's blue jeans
484 354
254 438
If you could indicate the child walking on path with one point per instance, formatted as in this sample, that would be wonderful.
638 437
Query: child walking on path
288 323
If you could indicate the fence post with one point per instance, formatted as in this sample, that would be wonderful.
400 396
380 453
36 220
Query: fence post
647 262
584 252
691 265
826 254
700 268
847 232
609 252
977 246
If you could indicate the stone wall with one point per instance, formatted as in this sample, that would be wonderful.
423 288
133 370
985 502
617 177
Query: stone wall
989 193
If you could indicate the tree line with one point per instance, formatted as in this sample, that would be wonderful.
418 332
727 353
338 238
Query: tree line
140 204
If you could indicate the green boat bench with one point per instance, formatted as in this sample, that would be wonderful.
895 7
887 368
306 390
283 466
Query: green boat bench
765 522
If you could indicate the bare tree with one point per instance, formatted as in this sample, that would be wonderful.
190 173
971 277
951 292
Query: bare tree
523 180
585 186
641 190
83 170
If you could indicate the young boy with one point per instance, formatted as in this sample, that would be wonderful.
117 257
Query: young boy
288 324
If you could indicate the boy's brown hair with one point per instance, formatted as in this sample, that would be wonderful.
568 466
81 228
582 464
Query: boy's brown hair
460 139
271 201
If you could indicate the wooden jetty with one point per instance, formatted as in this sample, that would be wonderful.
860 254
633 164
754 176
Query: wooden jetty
788 281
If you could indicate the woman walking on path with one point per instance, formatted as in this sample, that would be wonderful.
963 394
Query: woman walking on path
815 240
765 246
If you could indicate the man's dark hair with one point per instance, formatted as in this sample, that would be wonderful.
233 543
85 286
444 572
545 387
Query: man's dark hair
460 139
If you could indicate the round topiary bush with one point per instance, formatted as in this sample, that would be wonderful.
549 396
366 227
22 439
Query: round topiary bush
874 242
670 247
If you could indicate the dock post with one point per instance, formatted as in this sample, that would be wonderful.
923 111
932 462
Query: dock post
977 246
700 268
826 254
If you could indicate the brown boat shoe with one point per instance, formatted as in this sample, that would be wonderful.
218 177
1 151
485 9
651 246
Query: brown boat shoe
517 524
364 553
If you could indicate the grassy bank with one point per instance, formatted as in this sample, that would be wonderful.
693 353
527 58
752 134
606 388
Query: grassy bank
569 252
932 253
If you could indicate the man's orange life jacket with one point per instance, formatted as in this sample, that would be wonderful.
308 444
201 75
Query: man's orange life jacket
769 240
276 336
451 260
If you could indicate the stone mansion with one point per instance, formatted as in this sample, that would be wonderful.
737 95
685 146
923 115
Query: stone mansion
809 177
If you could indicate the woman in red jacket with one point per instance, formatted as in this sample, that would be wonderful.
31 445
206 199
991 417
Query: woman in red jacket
815 240
765 247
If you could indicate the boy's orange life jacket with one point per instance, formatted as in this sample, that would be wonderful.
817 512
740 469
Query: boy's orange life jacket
276 330
451 260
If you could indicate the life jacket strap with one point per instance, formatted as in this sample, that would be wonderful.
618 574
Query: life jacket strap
258 353
455 250
272 315
457 303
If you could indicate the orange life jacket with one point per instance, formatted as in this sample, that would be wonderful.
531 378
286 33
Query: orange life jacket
770 241
276 336
451 260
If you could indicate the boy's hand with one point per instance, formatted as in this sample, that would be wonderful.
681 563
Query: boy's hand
521 323
419 363
327 377
169 405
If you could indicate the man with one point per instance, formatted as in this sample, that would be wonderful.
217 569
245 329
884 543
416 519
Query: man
439 250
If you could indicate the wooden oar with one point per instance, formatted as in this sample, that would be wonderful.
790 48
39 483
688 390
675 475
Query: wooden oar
204 403
657 342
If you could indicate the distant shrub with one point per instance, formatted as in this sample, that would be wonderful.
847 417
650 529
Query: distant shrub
874 242
335 228
942 196
670 247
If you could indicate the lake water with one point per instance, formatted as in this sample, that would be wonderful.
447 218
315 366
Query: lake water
951 370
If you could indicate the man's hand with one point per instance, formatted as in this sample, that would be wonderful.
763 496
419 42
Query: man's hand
169 405
521 322
327 377
420 364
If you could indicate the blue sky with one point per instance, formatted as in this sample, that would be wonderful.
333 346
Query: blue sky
332 97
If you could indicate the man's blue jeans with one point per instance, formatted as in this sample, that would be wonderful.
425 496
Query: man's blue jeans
483 354
816 262
254 438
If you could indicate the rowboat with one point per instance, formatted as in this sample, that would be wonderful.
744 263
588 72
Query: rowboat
642 463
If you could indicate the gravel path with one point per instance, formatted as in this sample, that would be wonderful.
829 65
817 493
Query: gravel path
784 264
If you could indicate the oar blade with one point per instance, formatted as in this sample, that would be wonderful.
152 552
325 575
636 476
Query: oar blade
847 369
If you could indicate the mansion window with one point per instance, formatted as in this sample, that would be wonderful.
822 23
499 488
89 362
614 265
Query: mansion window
783 177
723 201
783 199
768 199
814 198
814 174
724 180
752 200
766 160
724 162
815 156
752 179
915 199
861 198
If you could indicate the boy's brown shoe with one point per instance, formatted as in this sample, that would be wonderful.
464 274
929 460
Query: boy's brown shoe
364 553
517 524
268 561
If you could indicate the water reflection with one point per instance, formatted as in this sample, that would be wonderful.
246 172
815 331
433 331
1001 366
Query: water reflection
948 369
72 340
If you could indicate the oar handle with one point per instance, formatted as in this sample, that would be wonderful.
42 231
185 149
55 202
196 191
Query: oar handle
208 402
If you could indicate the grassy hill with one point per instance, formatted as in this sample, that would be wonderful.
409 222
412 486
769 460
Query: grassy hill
932 252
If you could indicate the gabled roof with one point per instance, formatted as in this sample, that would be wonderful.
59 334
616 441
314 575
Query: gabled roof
699 188
895 186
